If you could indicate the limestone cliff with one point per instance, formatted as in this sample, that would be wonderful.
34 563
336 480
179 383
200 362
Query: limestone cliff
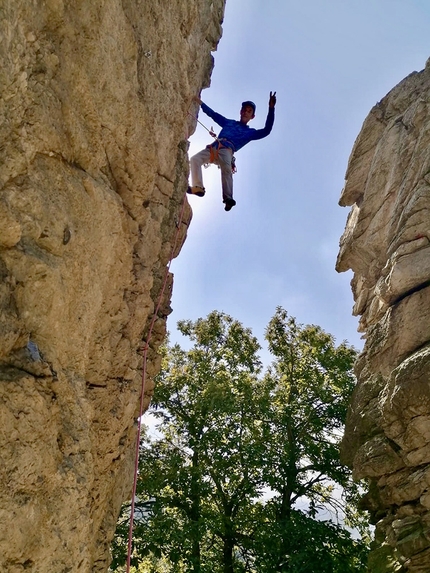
94 98
387 244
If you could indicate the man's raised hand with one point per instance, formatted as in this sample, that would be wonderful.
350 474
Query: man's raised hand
272 99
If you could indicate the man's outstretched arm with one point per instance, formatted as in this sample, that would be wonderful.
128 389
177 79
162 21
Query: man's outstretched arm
260 133
217 117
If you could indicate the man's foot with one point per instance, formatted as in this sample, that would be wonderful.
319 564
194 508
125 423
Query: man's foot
199 191
229 203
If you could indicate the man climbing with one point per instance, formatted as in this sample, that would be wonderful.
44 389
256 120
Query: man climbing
232 137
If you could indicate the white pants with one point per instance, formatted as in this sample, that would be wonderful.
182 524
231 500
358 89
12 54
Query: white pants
224 161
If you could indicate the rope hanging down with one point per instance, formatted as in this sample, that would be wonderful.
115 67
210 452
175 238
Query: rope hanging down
142 396
210 131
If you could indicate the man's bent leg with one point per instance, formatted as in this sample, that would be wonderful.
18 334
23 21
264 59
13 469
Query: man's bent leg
224 159
196 163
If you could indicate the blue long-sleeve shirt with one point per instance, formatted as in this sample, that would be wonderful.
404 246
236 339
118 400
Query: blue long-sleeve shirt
235 134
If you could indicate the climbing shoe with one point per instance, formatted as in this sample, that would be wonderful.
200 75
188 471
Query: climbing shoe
229 203
199 191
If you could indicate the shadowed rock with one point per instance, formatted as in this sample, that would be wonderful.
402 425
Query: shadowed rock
387 245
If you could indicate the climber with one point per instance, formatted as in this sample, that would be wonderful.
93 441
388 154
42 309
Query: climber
232 137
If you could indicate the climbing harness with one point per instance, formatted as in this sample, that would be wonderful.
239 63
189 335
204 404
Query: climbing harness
214 149
214 155
142 396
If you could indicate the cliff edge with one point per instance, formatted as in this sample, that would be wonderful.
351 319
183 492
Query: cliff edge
94 102
387 245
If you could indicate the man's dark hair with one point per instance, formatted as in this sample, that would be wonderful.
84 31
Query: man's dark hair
250 103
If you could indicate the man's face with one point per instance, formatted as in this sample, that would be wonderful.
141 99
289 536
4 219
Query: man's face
246 114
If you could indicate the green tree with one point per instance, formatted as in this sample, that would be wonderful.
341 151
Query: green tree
244 463
308 386
203 472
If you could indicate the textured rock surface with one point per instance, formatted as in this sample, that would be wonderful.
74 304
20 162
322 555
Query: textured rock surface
387 244
93 166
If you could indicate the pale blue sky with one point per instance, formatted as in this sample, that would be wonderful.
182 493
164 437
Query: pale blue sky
329 61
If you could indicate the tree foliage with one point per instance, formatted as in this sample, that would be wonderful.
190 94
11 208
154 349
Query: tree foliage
245 464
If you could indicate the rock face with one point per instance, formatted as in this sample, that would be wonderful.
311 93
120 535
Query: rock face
387 244
94 99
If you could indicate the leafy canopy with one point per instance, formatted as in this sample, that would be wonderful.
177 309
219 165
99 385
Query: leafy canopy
243 473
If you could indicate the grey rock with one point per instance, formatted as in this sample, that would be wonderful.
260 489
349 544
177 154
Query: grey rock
387 245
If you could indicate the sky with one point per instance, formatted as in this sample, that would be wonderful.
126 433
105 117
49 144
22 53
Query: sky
330 62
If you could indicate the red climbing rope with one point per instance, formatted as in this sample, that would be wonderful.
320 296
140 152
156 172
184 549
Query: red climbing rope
142 396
